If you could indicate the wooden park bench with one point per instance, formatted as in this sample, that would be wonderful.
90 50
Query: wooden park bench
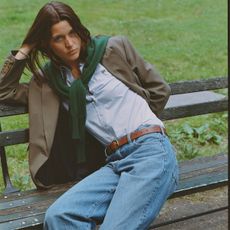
25 210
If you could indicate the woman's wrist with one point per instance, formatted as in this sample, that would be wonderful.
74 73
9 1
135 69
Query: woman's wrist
23 53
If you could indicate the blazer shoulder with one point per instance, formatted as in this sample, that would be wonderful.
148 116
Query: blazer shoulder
118 40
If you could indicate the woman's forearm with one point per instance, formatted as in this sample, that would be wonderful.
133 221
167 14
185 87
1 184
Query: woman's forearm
10 88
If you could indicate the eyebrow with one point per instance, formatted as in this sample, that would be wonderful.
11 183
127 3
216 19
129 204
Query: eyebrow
61 35
57 36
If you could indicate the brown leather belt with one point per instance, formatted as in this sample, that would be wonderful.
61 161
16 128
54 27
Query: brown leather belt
114 145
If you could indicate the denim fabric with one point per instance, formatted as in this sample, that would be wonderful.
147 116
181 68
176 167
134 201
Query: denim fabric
126 194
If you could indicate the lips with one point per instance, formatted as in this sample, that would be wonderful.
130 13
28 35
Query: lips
72 52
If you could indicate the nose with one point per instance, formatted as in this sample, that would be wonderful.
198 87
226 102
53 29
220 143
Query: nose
68 42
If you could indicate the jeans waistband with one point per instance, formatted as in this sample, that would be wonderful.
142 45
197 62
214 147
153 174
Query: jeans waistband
116 144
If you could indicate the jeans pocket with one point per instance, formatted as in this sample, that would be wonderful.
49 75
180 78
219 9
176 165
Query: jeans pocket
148 139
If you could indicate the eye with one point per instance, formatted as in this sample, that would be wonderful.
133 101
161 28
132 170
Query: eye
57 39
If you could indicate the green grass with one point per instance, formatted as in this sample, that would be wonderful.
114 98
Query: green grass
184 39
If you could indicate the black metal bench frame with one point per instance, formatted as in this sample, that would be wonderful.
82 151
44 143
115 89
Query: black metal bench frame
210 172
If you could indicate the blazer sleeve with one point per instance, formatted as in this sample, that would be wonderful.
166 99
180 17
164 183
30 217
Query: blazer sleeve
11 91
157 89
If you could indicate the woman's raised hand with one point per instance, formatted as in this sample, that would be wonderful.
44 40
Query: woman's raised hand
24 51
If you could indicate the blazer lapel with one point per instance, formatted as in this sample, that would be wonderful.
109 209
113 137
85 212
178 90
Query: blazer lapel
50 108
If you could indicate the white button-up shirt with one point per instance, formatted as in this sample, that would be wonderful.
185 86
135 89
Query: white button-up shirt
112 109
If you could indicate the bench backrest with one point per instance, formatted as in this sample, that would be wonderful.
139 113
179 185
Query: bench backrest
192 103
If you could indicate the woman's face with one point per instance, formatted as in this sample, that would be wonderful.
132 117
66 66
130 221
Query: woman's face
65 42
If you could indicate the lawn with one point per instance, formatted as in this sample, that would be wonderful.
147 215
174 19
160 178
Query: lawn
184 39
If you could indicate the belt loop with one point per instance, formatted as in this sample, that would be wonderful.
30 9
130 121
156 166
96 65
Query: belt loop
106 155
129 137
162 130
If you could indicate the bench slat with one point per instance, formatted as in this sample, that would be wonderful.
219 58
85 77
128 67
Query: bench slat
24 223
203 163
27 211
14 137
199 85
194 110
28 201
202 173
193 98
10 110
201 183
32 196
34 192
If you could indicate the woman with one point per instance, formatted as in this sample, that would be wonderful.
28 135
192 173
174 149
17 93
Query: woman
95 101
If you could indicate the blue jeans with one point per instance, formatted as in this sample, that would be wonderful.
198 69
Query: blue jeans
126 194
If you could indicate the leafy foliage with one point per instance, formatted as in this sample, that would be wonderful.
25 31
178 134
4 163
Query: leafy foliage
193 140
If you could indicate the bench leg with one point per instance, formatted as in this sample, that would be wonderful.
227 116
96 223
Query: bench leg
9 188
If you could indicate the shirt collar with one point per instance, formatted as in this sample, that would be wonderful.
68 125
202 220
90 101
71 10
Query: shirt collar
67 74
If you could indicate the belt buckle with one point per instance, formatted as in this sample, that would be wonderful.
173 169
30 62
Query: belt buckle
116 143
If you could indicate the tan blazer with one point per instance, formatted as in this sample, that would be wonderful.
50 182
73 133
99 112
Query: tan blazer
120 59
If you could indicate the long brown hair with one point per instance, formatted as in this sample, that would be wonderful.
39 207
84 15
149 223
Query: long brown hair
40 34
